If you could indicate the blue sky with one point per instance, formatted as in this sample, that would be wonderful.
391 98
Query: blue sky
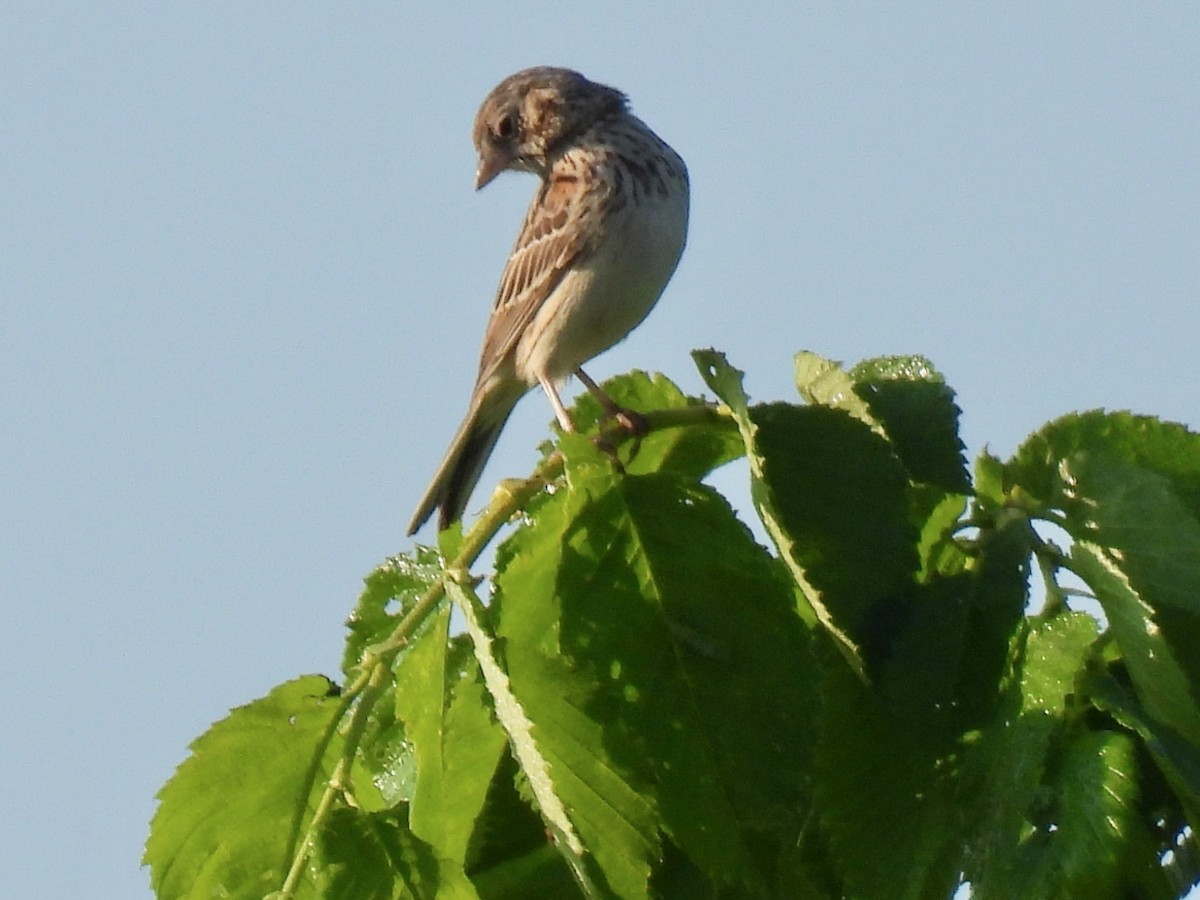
245 278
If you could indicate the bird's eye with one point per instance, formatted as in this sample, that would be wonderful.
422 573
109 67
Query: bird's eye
506 126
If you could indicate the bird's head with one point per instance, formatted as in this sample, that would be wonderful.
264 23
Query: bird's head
531 116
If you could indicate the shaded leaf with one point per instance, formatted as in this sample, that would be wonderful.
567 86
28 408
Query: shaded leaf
1017 789
1177 757
1077 845
916 408
903 398
1128 488
1140 544
938 515
664 616
609 812
373 856
841 499
511 854
779 515
886 797
536 873
1162 683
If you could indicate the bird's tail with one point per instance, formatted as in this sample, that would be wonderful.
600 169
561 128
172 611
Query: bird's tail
463 463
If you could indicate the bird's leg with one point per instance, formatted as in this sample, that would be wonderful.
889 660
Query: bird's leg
633 422
560 411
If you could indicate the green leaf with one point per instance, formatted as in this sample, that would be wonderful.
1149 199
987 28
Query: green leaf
1076 845
373 856
916 408
885 797
1129 491
1139 543
823 382
841 500
449 729
510 855
538 872
693 451
1164 448
224 819
638 616
938 515
388 593
989 482
1016 786
1161 681
1133 511
833 500
903 398
533 762
725 381
386 770
1177 757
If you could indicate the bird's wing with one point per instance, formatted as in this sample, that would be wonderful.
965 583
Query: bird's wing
559 232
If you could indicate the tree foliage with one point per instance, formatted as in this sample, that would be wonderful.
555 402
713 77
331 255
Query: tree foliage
651 703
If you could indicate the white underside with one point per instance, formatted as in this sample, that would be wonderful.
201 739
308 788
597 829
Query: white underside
598 303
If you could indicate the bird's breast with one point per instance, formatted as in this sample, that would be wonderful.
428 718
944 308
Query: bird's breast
603 297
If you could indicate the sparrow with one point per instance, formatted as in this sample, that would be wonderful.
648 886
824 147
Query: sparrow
599 243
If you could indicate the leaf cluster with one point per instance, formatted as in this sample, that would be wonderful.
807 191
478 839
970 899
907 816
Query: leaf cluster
642 700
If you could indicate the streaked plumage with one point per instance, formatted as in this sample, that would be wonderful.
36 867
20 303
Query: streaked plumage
599 243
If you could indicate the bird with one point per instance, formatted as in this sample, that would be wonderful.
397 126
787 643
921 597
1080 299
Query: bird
601 239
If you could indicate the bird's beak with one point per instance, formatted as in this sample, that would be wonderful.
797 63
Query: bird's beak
490 166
